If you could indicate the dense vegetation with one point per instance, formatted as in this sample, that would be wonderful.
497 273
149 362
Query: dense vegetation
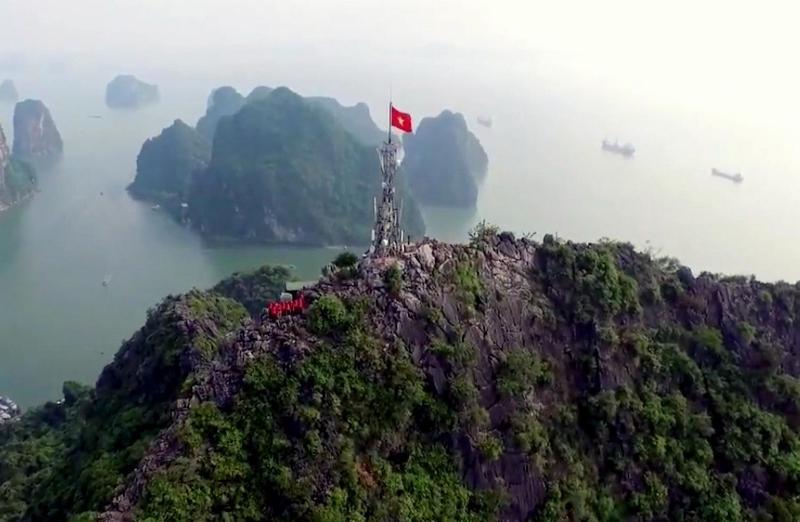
283 170
509 380
669 418
226 101
166 164
444 161
356 119
254 289
342 434
65 459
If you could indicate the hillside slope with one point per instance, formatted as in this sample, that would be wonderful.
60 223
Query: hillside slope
166 164
284 171
505 379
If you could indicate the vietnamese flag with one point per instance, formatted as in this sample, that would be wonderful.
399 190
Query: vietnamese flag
401 120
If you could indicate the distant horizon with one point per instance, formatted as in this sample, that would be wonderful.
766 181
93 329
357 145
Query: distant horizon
590 45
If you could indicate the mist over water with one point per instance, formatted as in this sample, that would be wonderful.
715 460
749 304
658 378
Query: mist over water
547 173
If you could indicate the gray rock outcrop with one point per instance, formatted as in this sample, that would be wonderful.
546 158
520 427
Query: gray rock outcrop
36 138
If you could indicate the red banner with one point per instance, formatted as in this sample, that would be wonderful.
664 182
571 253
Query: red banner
279 308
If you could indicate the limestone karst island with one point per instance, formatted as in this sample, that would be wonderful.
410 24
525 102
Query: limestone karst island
427 262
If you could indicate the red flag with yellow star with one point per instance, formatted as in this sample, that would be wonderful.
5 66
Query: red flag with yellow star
401 120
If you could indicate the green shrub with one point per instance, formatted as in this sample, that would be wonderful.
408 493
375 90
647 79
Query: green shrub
747 331
491 447
461 355
482 232
531 436
468 285
520 372
393 279
328 315
345 259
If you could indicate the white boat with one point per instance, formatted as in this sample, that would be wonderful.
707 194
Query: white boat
107 280
486 121
626 149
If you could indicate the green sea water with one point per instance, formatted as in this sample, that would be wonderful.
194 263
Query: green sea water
57 320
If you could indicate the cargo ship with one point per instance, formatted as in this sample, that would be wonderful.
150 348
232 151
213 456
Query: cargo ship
736 178
626 150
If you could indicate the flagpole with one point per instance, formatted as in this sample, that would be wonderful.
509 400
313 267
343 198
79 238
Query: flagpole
390 112
390 119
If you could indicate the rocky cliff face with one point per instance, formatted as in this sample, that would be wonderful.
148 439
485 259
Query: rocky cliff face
501 380
17 179
8 92
224 101
444 161
128 92
5 160
36 138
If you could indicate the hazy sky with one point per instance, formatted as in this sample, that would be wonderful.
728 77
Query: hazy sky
660 41
718 55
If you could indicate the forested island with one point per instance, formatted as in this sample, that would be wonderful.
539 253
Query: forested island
272 167
129 92
167 164
444 161
504 379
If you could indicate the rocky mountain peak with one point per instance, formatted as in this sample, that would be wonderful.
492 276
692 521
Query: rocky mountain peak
36 138
504 379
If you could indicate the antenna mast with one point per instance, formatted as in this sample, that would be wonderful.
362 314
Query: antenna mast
386 235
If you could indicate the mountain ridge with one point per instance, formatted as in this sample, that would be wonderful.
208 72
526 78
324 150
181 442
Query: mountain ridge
504 379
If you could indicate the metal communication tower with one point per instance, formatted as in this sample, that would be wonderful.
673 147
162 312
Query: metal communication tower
387 236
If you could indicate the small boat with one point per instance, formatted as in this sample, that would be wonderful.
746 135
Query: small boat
626 149
155 207
95 116
107 280
736 178
486 121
